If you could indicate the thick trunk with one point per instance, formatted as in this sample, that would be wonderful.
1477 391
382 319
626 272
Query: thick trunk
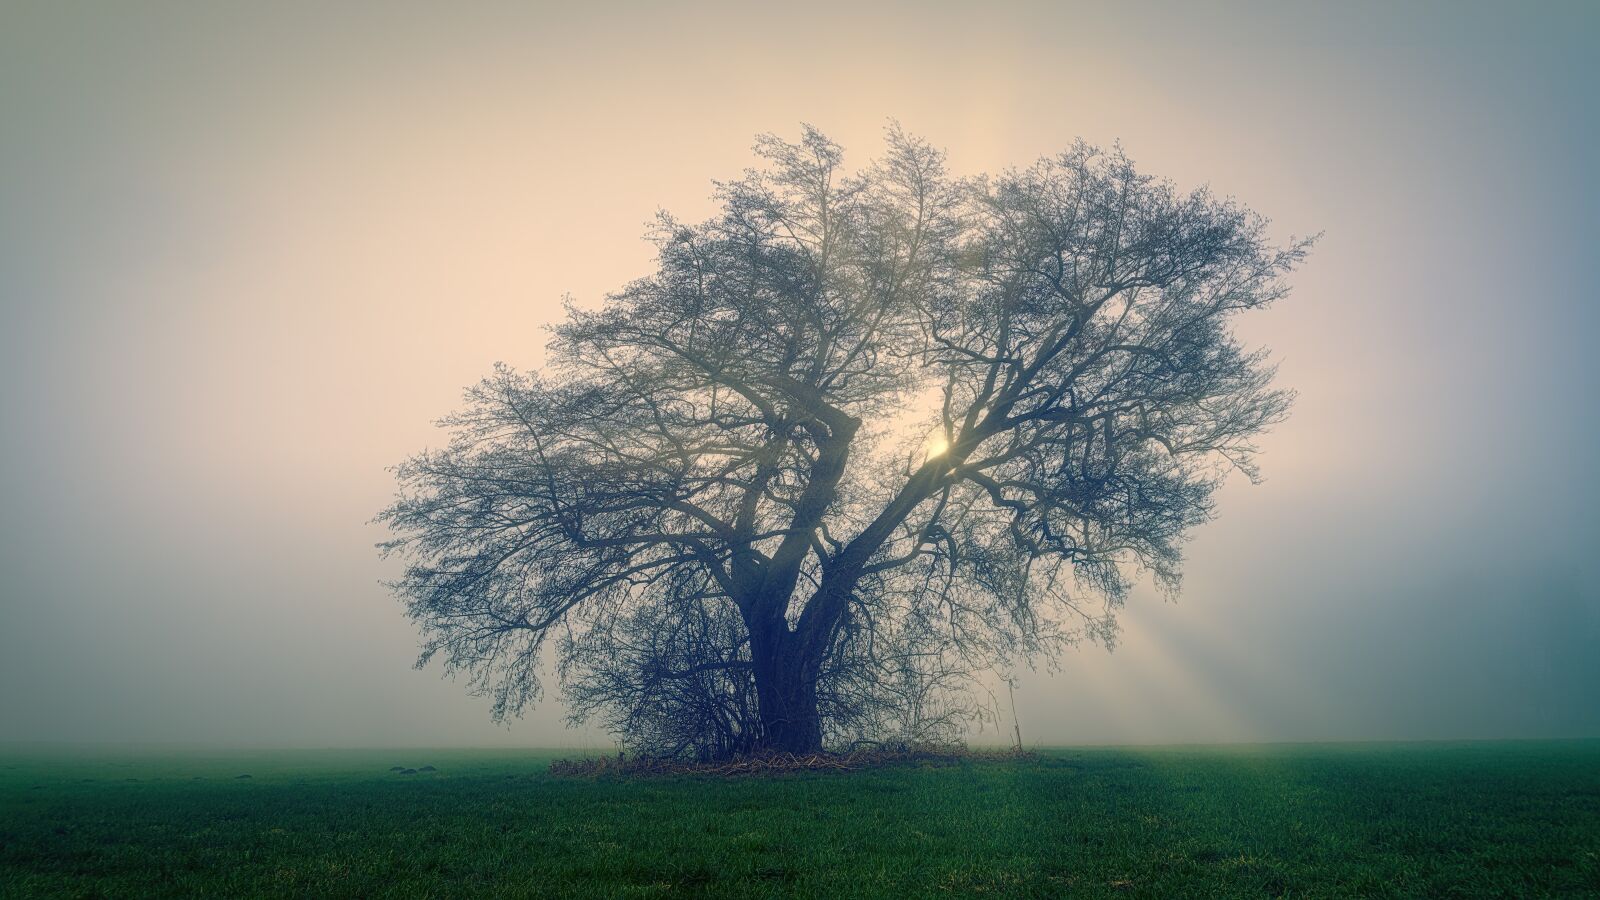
786 690
786 663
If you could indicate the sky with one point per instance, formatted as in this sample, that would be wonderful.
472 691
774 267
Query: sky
249 253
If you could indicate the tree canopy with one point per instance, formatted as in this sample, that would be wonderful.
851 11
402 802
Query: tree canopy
859 437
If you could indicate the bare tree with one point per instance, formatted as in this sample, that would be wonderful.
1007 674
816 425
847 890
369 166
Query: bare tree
711 499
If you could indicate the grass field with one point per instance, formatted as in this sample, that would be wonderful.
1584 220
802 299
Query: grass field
1505 819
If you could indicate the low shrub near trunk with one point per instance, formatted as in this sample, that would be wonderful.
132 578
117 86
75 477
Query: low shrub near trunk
773 763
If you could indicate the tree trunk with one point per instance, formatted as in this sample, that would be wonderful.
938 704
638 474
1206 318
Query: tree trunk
786 691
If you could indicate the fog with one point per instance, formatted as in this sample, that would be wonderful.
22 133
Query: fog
248 255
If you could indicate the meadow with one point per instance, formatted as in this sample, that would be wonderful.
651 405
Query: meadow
1472 819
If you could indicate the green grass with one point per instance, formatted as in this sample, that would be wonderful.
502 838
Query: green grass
1481 819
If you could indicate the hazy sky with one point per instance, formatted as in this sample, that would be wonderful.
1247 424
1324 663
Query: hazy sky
249 254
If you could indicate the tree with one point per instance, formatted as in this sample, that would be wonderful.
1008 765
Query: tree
721 502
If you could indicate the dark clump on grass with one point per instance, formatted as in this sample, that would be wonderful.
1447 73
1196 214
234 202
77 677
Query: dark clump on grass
397 768
775 763
427 769
408 771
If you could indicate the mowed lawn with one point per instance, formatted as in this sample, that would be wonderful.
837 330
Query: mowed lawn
1478 819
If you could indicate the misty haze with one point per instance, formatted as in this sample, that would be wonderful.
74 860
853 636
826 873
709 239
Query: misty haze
980 413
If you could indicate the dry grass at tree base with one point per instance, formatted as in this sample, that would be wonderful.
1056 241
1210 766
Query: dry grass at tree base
778 763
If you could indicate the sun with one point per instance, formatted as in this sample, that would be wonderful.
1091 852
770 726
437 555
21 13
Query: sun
937 445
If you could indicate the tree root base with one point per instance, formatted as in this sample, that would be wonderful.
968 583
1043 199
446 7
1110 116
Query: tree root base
778 763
